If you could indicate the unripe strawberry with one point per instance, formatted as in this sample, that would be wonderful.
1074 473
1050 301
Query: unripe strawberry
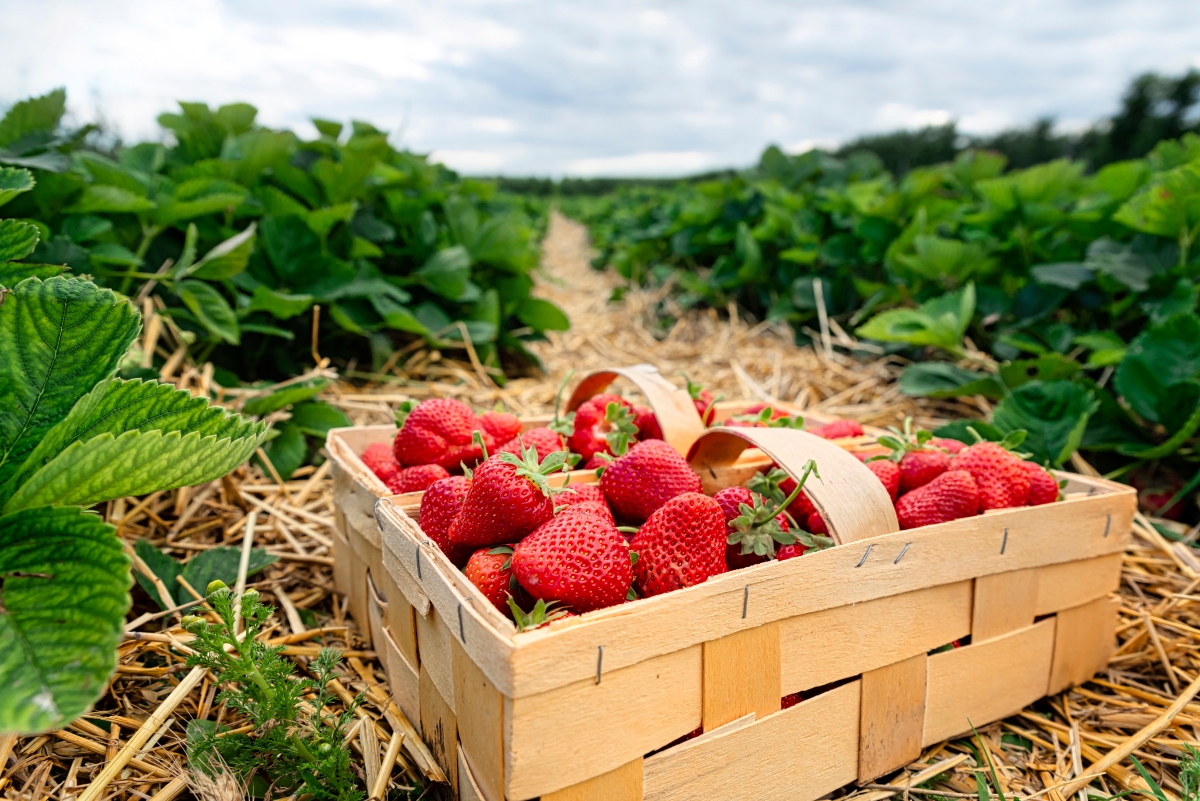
645 478
950 496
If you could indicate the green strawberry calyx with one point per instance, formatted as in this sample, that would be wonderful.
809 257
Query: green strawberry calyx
623 430
505 550
541 614
402 412
529 467
756 528
1012 440
901 442
768 419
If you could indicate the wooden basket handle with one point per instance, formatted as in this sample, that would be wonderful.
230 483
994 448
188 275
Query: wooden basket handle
677 416
852 500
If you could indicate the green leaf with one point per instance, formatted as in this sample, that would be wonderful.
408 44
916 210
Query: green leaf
35 115
1049 367
447 272
285 396
1167 206
960 430
315 418
58 338
287 451
1180 299
944 380
13 273
1160 356
323 220
1179 411
939 259
1068 275
163 566
227 259
85 227
223 563
542 315
210 308
279 305
102 199
65 585
17 239
14 181
112 253
1054 413
1107 347
941 322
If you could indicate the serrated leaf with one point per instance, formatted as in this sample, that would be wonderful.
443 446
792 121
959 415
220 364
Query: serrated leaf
13 273
1053 413
941 322
34 115
284 396
279 305
1160 356
14 181
226 259
287 451
58 338
1167 206
164 567
130 461
17 239
447 272
62 619
944 380
210 308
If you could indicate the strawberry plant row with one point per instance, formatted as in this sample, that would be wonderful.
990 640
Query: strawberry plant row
640 700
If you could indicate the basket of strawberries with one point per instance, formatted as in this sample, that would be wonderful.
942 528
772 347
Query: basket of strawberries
645 628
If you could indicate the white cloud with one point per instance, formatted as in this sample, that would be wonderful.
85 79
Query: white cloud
537 87
470 161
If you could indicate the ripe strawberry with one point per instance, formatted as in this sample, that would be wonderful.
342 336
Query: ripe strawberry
681 545
760 415
647 423
816 524
840 429
578 493
919 467
731 500
598 427
439 506
1043 487
641 481
509 497
951 446
791 551
593 508
380 460
577 559
888 473
501 425
490 569
415 479
1001 477
543 439
950 496
789 701
438 431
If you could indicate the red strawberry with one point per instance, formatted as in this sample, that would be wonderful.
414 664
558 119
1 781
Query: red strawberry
647 423
952 446
731 499
490 569
578 493
501 425
641 481
380 460
439 431
415 479
509 497
789 701
760 415
791 551
1001 477
816 524
592 508
579 559
439 506
595 424
919 467
543 439
595 463
1043 487
840 429
950 496
681 545
888 473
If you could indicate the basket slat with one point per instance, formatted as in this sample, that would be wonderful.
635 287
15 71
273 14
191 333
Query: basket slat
403 679
1004 603
1070 584
741 676
480 712
892 717
1083 642
621 784
439 728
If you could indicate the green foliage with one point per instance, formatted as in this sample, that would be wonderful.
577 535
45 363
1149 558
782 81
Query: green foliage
220 563
73 435
245 229
298 748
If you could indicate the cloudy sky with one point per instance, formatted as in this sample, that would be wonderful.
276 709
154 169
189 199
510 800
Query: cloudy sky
604 87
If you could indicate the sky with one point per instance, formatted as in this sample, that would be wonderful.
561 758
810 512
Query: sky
606 87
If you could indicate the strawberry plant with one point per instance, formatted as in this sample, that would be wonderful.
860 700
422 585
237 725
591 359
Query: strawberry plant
73 435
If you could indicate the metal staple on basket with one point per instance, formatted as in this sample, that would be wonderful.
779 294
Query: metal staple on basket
378 501
903 551
866 553
1004 544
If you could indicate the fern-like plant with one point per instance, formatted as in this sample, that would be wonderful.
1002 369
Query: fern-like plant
72 435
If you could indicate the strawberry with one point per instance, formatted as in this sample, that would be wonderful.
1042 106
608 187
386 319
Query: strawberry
439 506
816 524
791 551
490 569
760 415
789 701
438 431
593 508
840 429
919 461
1043 488
951 446
509 497
681 545
578 493
645 478
778 485
647 423
540 615
702 399
888 473
415 479
950 496
1002 480
543 439
731 500
501 425
380 460
578 559
601 423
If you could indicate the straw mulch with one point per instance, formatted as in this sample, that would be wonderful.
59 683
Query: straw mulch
1036 753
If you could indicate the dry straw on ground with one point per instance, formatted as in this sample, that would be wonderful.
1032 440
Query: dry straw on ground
1134 707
